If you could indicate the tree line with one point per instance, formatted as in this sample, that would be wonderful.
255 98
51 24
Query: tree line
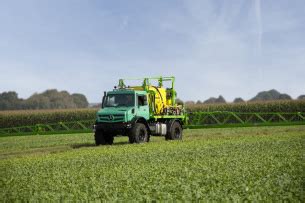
49 99
53 99
261 96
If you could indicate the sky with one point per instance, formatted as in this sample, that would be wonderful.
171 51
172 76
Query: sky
231 48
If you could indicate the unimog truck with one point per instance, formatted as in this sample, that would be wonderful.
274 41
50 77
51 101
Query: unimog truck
139 112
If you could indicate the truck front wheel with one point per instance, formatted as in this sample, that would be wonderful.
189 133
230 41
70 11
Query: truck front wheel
99 138
175 132
102 139
139 134
109 139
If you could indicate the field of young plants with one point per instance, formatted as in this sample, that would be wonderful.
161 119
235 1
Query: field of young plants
236 164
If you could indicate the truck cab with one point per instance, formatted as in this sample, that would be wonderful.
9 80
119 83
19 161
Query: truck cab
123 106
134 112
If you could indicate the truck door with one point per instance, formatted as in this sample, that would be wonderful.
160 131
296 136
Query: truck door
142 105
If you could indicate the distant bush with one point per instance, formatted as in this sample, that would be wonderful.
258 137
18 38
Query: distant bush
238 100
301 97
179 101
270 95
214 100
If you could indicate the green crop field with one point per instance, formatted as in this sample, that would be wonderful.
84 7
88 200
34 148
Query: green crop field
262 164
16 118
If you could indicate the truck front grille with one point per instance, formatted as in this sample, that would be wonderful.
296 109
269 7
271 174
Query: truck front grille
112 118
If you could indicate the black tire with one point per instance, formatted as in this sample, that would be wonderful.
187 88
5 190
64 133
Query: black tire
131 138
102 139
139 134
109 139
99 138
175 132
148 138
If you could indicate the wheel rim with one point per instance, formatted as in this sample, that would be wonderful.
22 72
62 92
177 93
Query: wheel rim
177 133
142 135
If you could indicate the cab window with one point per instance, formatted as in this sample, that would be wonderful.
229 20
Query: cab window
142 101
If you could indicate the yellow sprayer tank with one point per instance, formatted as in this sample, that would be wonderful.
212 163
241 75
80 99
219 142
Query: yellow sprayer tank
157 97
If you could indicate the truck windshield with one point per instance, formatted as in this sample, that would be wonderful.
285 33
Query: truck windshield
118 100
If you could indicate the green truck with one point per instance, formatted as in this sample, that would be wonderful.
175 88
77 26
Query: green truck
139 112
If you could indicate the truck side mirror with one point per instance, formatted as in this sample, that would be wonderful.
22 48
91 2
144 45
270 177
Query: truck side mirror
103 101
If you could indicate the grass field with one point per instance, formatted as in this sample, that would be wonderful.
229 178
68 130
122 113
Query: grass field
265 163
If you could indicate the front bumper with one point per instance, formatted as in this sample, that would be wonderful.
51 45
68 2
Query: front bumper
114 128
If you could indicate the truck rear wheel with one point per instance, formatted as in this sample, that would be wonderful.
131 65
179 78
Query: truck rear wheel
175 132
139 134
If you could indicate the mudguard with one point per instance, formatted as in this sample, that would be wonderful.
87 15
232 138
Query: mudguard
138 119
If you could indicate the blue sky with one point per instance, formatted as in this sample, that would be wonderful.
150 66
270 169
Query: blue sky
233 48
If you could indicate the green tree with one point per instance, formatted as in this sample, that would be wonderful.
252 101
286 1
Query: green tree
238 100
37 101
49 99
179 101
270 95
9 101
80 100
213 100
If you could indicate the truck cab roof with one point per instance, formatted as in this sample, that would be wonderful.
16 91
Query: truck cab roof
126 91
